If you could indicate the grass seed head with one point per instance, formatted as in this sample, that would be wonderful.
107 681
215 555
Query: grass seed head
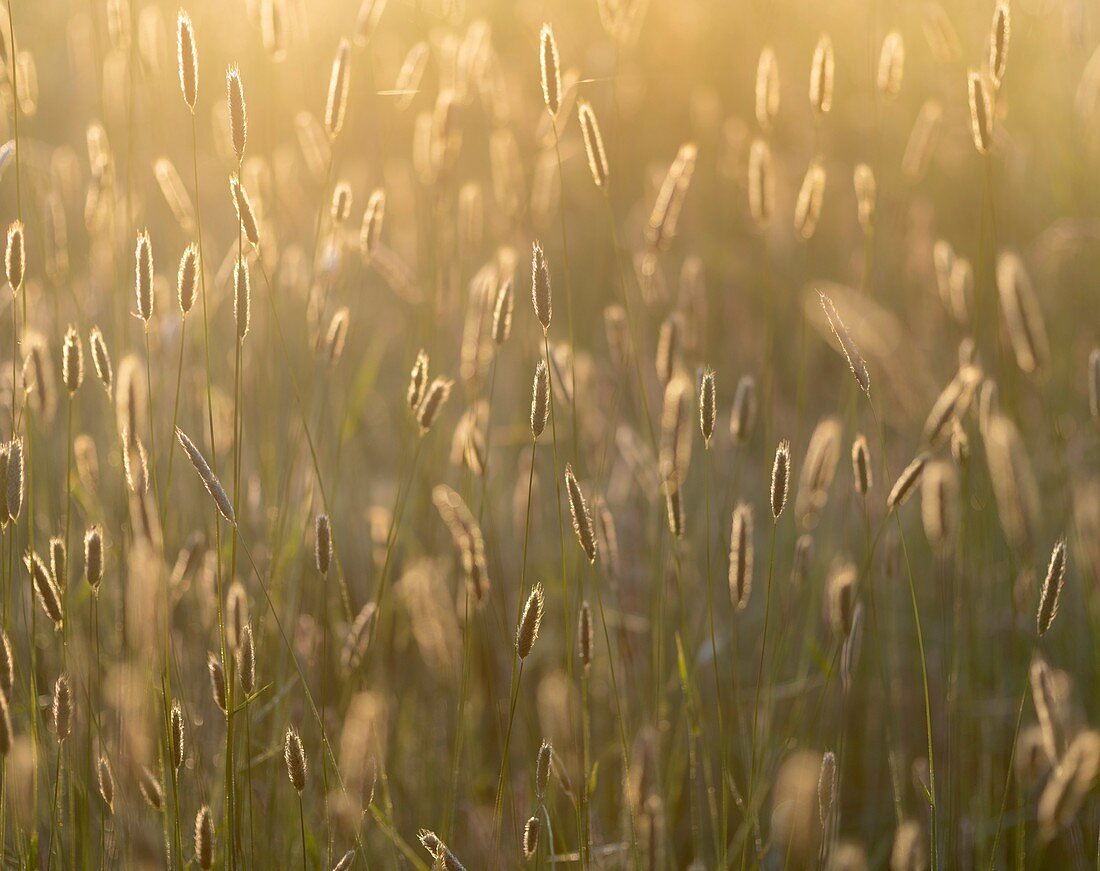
187 59
295 756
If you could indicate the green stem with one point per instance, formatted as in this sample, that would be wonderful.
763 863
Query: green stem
751 799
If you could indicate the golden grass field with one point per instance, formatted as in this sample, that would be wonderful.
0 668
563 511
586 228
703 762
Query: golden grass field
606 434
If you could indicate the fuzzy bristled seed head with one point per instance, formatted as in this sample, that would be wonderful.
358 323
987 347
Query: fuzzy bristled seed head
15 256
674 450
38 376
708 408
467 537
826 787
62 708
981 112
951 404
550 69
906 483
542 768
811 195
743 414
246 661
861 465
593 144
761 183
585 645
187 277
540 400
582 520
939 505
444 859
851 352
337 335
187 59
840 598
418 381
664 219
767 88
821 76
322 544
357 639
1023 315
150 788
367 20
863 179
72 361
998 42
59 563
49 596
674 507
236 614
340 209
242 298
529 621
209 479
273 29
371 229
217 681
669 340
531 837
540 287
295 756
502 311
143 271
891 64
246 215
1070 784
106 778
741 555
101 359
238 112
336 105
204 838
14 489
781 475
434 398
177 734
1052 588
135 462
346 861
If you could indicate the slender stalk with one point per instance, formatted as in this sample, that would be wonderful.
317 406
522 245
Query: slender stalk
498 802
566 623
714 662
623 746
152 418
920 647
248 775
1008 775
568 288
550 836
323 666
586 740
175 416
460 724
55 811
751 799
302 826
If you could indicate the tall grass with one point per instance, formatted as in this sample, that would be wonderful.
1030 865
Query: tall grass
729 197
